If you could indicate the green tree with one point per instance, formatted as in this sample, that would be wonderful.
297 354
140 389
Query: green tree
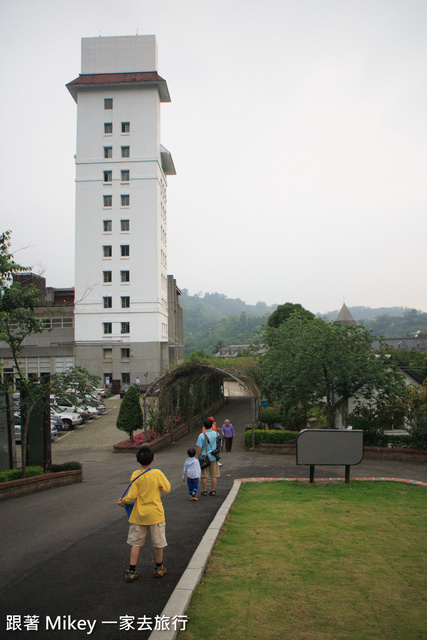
284 312
130 416
17 321
308 360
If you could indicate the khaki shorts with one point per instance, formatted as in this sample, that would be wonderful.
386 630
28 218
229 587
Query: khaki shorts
138 533
212 471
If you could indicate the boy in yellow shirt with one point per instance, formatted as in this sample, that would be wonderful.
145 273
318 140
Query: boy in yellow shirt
147 514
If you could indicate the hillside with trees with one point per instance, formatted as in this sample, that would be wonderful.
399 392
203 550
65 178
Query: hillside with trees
388 322
212 320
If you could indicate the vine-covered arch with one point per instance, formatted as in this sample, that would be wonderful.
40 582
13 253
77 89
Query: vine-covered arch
198 385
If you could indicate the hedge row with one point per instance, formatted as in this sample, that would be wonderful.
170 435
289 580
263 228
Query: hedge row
16 474
271 436
370 439
65 466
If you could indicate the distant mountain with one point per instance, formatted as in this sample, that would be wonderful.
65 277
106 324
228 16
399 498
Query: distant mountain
212 320
367 313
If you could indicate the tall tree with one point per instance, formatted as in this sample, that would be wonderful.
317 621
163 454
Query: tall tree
309 360
284 312
17 321
130 416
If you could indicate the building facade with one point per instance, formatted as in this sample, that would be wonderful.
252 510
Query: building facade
121 281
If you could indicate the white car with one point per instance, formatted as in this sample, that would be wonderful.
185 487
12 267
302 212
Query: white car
86 413
69 418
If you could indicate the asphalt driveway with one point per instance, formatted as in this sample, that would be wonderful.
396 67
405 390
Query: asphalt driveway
65 552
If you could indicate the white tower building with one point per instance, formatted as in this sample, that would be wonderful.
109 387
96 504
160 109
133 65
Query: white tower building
121 286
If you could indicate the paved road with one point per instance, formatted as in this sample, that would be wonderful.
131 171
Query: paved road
65 550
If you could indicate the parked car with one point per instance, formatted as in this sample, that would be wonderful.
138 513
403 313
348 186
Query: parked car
69 418
53 429
65 405
100 392
92 400
125 387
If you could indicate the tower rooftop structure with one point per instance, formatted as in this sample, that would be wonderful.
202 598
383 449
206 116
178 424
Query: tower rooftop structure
345 316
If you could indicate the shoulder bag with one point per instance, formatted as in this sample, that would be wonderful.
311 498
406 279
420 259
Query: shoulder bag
129 507
205 461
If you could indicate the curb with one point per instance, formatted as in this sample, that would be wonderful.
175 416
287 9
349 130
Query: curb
178 603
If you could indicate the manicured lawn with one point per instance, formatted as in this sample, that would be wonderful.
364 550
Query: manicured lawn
317 562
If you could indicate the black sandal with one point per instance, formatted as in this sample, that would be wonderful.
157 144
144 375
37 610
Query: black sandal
204 493
212 493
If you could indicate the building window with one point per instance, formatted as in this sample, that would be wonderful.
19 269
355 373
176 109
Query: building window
124 225
108 201
125 353
108 328
125 276
125 200
125 378
108 302
125 175
108 176
125 152
108 225
124 250
108 103
108 152
108 354
125 127
108 250
125 302
108 276
108 127
125 328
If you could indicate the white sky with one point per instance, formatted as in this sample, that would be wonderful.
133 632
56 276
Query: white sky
298 130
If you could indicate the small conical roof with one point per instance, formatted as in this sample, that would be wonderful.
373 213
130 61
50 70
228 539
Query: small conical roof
345 316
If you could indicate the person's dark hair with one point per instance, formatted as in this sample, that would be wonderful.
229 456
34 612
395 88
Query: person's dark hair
208 423
145 455
191 452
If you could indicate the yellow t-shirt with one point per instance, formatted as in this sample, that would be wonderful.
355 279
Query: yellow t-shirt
146 492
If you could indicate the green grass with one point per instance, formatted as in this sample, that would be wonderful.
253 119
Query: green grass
317 562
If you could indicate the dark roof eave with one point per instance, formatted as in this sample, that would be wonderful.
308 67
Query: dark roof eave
91 81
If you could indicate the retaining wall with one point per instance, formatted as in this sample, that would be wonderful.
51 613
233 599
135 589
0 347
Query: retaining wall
15 488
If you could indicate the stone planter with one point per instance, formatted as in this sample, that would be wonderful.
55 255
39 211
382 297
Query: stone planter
15 488
166 439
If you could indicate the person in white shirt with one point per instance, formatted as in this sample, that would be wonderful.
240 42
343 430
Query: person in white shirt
193 472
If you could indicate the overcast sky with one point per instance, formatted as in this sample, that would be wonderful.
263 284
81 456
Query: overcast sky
297 127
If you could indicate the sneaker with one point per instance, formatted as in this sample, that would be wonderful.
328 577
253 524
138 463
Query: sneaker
159 572
131 576
193 498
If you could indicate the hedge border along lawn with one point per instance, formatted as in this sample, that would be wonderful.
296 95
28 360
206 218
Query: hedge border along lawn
317 562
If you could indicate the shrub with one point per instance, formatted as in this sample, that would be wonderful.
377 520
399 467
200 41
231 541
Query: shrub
271 437
16 474
65 466
269 416
418 434
130 417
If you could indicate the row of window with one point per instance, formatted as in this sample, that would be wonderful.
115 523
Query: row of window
108 225
124 200
53 323
108 353
125 176
124 300
108 276
108 127
125 152
108 250
108 327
